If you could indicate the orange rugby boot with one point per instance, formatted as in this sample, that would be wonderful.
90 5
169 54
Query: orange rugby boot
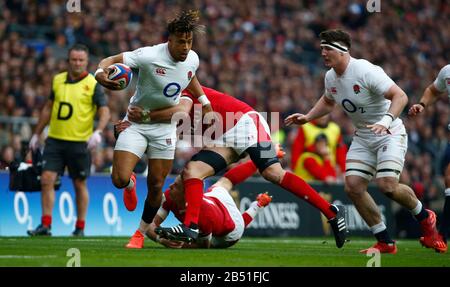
382 247
136 241
129 196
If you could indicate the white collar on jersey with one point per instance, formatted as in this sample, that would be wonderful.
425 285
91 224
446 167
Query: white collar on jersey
334 45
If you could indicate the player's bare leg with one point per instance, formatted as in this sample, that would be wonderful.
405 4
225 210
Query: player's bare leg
123 177
123 166
158 169
356 190
356 184
82 200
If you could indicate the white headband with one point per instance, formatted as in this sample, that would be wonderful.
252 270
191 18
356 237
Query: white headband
334 45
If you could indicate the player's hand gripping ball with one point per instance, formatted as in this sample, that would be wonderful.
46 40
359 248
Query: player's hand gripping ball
120 73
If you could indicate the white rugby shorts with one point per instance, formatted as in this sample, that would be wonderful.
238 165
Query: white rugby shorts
157 139
380 156
251 128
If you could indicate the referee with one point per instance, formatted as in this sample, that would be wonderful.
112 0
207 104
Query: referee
75 100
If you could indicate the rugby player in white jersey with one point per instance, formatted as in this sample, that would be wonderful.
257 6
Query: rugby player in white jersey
373 102
437 89
164 70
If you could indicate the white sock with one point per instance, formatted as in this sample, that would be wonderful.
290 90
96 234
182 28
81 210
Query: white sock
447 191
130 185
416 210
253 209
143 226
377 228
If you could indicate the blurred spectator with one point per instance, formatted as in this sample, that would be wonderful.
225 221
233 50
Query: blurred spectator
7 157
316 164
306 141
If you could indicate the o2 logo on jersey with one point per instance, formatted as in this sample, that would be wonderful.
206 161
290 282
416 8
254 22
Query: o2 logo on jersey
172 90
351 107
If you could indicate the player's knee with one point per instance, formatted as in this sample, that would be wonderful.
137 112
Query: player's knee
274 173
387 185
353 188
120 180
155 182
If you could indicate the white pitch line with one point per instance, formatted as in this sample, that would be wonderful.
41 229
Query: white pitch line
87 240
26 256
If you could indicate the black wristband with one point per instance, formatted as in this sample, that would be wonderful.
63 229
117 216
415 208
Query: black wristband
390 115
422 104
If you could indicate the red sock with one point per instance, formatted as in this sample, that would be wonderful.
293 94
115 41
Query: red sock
46 220
80 224
300 188
241 172
247 218
193 193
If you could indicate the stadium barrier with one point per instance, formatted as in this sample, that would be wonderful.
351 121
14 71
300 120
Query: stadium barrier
107 216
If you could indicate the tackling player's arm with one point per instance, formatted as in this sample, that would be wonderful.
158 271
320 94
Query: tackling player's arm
196 91
139 115
430 95
101 75
323 106
399 100
157 220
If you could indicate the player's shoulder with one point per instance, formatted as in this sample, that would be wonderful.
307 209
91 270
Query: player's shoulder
193 57
192 53
148 51
153 50
364 68
445 70
330 75
363 65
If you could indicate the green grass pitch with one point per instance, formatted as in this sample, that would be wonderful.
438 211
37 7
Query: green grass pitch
249 252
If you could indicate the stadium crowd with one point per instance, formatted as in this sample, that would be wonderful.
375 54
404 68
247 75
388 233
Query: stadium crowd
265 52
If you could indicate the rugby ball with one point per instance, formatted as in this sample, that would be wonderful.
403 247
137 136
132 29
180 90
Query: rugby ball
120 73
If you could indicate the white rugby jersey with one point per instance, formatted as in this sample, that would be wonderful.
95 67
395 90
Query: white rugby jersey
161 79
360 92
442 82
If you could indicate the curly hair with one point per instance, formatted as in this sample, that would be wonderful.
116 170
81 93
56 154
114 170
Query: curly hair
186 22
336 35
